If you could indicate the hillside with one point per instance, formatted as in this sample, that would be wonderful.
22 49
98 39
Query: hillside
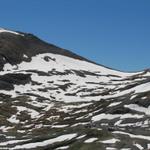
53 99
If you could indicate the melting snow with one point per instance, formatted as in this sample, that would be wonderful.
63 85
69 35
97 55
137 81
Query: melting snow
133 135
90 140
113 116
61 138
139 108
13 119
4 30
110 141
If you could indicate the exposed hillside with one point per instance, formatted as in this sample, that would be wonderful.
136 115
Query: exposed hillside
51 98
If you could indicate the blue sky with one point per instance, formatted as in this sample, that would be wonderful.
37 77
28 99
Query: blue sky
115 33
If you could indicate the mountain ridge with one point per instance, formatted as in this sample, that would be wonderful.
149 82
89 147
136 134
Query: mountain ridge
44 45
25 38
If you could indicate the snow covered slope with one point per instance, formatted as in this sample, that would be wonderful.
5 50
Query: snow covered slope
51 98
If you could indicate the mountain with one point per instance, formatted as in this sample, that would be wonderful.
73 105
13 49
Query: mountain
53 99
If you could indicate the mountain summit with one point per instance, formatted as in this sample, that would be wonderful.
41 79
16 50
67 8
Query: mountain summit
53 99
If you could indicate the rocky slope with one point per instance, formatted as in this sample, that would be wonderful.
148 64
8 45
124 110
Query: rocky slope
53 99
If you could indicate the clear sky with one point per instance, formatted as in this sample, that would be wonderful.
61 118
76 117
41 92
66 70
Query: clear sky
115 33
